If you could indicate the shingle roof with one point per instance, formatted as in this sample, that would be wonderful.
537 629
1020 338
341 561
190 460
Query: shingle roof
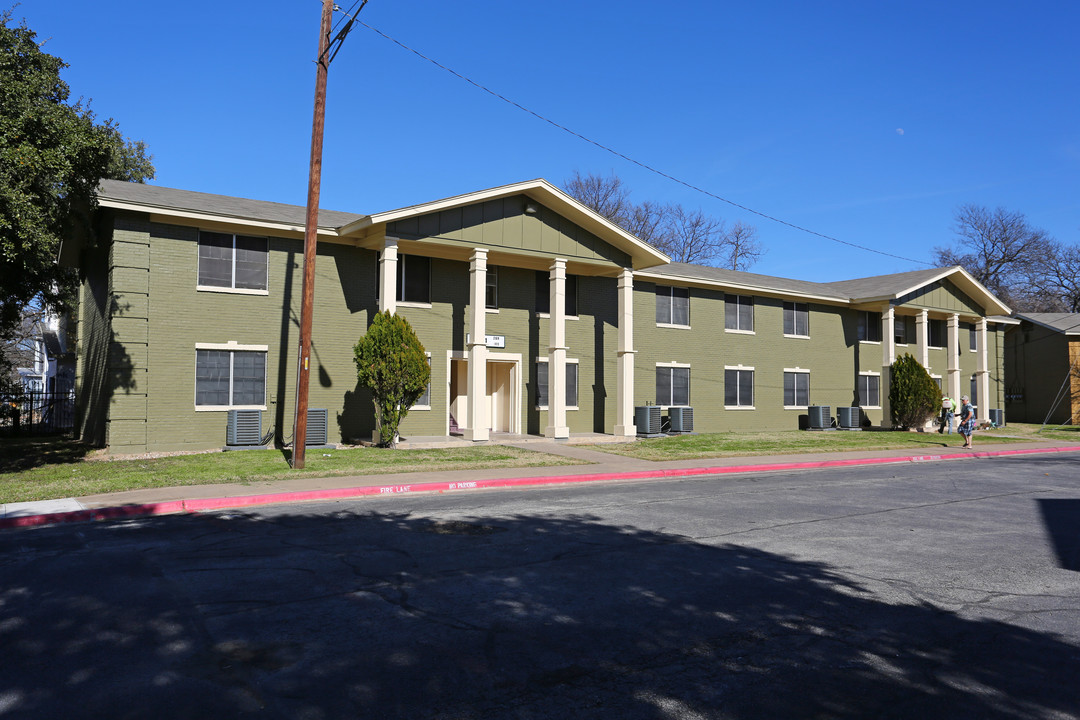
1068 323
232 207
738 278
886 285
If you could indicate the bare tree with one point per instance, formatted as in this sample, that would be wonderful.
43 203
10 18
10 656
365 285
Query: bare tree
999 248
1053 284
742 246
684 235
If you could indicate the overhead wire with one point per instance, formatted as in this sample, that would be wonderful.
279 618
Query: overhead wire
634 161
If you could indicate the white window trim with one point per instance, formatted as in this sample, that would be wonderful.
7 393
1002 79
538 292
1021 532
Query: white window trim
413 304
802 371
871 373
740 332
231 345
548 316
797 337
569 361
231 291
673 326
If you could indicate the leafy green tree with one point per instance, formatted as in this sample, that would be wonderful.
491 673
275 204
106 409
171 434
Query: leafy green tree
914 397
391 362
53 153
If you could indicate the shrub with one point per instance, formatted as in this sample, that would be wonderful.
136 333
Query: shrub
914 397
391 362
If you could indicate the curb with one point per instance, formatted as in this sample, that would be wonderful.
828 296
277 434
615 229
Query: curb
205 504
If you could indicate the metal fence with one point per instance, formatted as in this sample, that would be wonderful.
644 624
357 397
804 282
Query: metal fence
37 413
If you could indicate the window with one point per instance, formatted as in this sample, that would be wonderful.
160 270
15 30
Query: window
797 319
903 330
738 387
543 293
230 378
492 295
796 388
571 384
672 385
739 313
869 391
424 401
974 392
869 326
235 262
973 337
937 333
413 279
672 305
937 381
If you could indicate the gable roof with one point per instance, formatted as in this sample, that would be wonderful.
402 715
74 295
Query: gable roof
740 280
641 253
197 205
1066 323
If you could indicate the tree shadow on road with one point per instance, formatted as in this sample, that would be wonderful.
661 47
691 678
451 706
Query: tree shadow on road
383 615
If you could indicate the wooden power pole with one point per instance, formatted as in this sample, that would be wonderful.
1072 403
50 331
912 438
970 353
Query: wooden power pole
311 231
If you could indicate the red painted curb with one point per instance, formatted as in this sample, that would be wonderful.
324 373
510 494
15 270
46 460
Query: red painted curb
204 504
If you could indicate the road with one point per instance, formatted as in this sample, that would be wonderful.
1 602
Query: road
898 591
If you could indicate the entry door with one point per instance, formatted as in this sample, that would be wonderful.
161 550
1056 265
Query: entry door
499 395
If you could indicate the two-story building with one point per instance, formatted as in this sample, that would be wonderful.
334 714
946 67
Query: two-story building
539 316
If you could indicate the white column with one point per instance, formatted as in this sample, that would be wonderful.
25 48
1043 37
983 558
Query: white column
624 404
388 261
888 357
476 400
983 371
922 329
557 427
953 351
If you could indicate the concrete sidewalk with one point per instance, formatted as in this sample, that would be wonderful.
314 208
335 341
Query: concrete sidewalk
595 466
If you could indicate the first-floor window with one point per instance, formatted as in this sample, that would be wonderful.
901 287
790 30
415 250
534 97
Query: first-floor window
974 393
230 378
738 388
542 384
869 390
796 389
672 386
425 399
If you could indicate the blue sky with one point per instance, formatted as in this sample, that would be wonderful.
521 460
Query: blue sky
868 122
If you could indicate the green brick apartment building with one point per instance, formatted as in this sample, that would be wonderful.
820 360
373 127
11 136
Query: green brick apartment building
539 317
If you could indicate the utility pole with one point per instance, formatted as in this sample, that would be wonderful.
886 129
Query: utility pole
311 231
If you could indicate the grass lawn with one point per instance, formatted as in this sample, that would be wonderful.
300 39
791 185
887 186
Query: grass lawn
47 469
706 445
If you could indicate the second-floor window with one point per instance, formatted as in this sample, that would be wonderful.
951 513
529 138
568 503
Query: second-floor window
672 305
739 313
797 319
234 262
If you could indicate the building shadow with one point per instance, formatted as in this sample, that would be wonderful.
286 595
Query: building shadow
389 615
1062 520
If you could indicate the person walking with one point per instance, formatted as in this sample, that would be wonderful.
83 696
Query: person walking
967 420
948 411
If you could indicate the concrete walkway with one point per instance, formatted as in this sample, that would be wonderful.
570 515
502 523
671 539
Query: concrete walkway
595 466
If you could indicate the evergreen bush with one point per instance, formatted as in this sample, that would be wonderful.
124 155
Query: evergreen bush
914 397
391 362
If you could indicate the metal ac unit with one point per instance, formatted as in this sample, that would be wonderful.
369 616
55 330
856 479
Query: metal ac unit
647 418
819 417
244 428
997 417
848 417
317 421
681 419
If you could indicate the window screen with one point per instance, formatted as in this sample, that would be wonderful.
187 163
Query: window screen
796 389
739 312
796 319
672 305
739 388
672 386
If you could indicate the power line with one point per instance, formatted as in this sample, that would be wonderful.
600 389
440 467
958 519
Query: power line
629 159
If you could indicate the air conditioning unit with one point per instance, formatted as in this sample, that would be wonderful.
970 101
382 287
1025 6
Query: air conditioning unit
681 419
647 418
317 422
997 417
244 428
847 418
819 417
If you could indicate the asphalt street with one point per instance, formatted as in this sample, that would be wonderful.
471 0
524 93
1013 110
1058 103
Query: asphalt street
899 591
